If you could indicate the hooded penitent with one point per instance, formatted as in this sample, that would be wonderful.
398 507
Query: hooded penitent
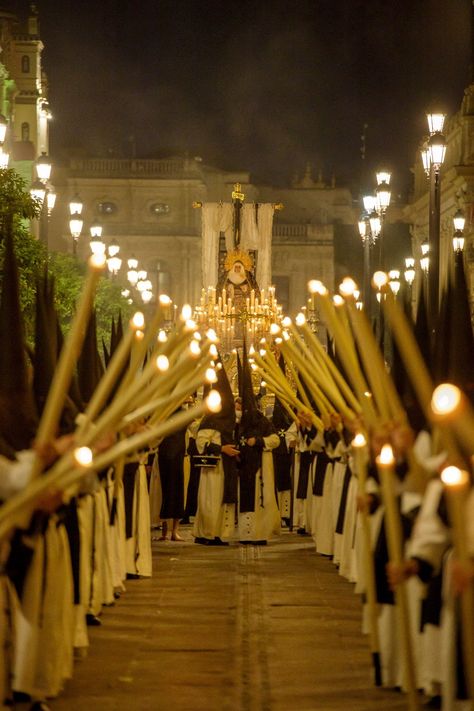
281 421
403 384
224 422
18 416
253 424
460 341
89 365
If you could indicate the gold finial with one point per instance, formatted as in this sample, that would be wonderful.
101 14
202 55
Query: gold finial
237 193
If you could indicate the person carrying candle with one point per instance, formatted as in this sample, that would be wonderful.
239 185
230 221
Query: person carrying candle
217 493
259 516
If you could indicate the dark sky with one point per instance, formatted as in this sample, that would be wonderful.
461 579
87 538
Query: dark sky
263 86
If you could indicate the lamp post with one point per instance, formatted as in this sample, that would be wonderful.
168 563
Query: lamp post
96 243
458 239
383 195
3 128
370 230
409 275
114 262
42 190
75 221
433 153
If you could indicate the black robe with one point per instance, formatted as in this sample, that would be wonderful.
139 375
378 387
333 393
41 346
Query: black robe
171 453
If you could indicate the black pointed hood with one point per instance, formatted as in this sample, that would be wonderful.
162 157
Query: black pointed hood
422 330
280 417
89 365
460 341
223 421
46 337
18 416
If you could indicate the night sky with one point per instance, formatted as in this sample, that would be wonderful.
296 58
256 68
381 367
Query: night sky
263 86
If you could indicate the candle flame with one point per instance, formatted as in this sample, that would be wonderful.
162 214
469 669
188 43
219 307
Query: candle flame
453 476
300 319
213 401
97 261
139 335
197 336
162 337
278 341
317 287
286 335
194 348
162 363
275 329
386 455
211 375
348 287
165 300
186 312
359 440
211 335
83 456
445 399
338 300
213 351
190 325
138 320
286 323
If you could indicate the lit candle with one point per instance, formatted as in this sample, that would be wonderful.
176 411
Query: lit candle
393 530
359 449
457 486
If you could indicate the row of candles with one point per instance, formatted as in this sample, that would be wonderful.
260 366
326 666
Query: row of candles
230 319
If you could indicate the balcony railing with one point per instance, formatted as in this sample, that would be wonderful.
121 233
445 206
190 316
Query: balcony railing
133 168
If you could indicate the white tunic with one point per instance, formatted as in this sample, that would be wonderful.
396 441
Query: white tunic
213 519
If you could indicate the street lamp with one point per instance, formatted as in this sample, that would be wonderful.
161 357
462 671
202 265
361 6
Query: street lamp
3 128
394 283
4 159
113 264
38 191
96 243
50 198
43 191
409 272
425 259
132 276
458 239
433 155
113 249
75 226
75 221
76 205
43 168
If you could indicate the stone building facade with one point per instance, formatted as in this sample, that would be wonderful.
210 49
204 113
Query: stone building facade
23 89
457 189
147 207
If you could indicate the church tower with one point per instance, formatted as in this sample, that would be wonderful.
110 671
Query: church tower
23 86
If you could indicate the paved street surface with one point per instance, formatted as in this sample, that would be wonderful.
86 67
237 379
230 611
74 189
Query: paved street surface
231 629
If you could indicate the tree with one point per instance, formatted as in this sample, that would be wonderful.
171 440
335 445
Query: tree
17 207
69 274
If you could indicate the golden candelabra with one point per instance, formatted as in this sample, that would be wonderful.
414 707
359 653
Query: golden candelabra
231 322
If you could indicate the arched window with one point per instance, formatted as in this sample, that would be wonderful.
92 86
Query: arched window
25 64
25 131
